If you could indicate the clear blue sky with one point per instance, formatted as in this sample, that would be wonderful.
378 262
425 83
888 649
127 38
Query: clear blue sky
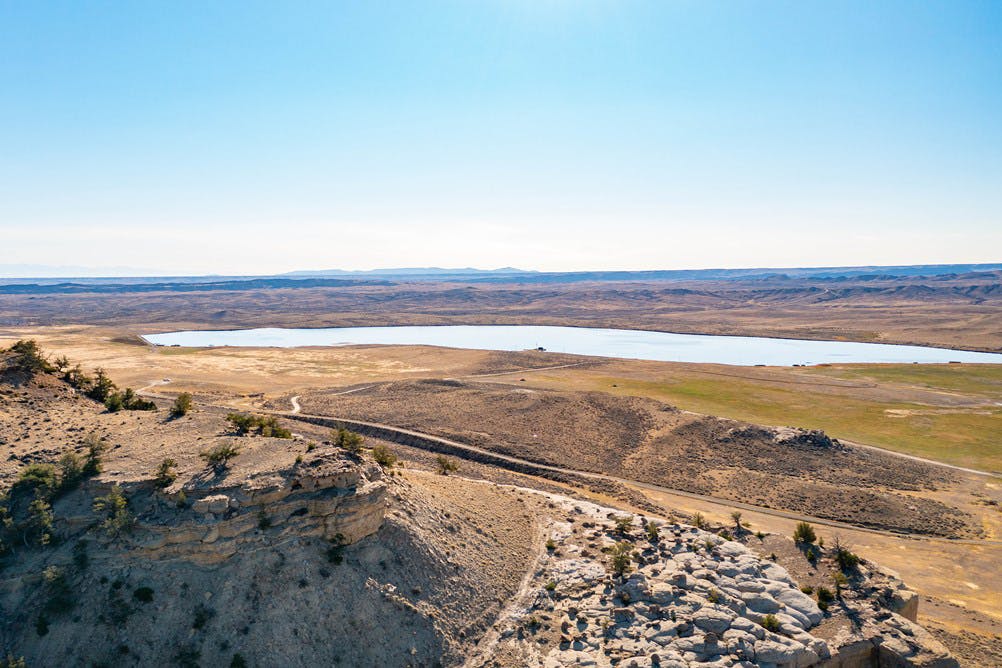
257 137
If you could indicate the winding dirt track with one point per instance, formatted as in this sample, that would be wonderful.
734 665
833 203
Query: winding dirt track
428 442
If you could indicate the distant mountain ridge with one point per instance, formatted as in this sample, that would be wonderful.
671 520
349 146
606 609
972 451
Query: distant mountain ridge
510 275
409 271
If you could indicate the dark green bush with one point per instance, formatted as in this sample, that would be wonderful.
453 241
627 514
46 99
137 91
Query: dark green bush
130 401
166 473
383 456
219 457
804 533
114 509
845 559
622 555
71 471
202 616
446 465
652 531
92 459
29 358
37 477
257 424
770 623
347 440
143 595
335 552
181 406
114 402
102 386
623 523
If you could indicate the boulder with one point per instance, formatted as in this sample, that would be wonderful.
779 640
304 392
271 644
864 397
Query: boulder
214 503
904 602
794 599
714 620
783 654
761 603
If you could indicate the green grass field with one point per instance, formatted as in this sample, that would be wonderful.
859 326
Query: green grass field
968 435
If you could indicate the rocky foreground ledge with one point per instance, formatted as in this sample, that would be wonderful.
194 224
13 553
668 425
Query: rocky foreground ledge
324 496
692 598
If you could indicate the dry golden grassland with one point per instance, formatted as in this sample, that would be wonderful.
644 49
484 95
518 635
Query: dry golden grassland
949 413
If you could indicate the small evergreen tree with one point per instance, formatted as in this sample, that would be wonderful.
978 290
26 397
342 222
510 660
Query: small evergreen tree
623 523
114 402
845 559
347 440
78 379
166 473
92 460
71 471
102 386
653 534
446 465
383 456
28 357
40 519
804 533
265 426
114 507
621 557
181 406
219 457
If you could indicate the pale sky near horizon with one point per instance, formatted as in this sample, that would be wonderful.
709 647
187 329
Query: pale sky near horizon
261 137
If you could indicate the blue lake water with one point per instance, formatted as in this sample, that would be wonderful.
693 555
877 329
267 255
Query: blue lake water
623 343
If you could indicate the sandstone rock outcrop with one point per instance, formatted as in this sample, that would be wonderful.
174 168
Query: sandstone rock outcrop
695 599
324 497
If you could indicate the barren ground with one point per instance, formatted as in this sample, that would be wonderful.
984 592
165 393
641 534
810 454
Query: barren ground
947 572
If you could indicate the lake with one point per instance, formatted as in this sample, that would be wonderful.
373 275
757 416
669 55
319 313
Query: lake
623 343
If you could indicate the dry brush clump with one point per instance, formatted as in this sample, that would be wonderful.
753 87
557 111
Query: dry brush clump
621 558
347 440
26 514
219 456
804 533
27 357
445 465
383 456
166 473
267 426
114 509
182 405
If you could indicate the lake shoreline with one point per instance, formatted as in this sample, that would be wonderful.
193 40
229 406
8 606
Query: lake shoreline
593 342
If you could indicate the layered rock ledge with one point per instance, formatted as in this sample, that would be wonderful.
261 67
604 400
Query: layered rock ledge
691 598
326 497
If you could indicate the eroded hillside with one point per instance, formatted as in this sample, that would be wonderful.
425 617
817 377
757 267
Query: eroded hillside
648 441
127 541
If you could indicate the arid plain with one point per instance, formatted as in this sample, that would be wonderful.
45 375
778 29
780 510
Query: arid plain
912 481
881 406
